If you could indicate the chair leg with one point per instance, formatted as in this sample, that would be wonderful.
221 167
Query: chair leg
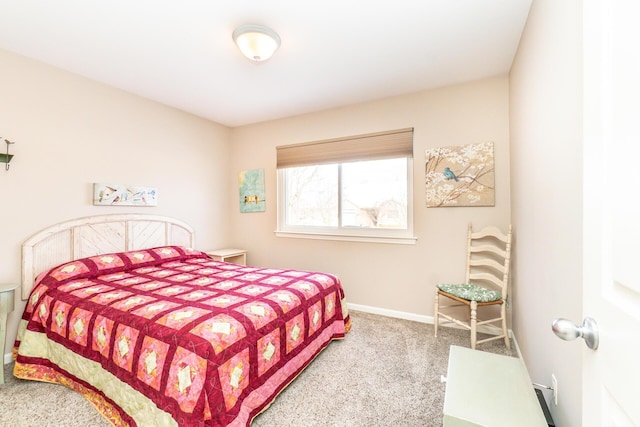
435 315
503 311
474 321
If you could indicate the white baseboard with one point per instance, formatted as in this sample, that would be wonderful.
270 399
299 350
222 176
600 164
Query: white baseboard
391 313
486 329
515 344
8 358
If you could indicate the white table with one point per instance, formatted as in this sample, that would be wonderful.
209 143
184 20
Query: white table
486 389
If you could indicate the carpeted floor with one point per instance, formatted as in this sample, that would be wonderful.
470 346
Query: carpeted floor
385 373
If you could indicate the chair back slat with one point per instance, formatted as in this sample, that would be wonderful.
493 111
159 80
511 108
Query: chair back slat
487 263
489 230
474 277
488 248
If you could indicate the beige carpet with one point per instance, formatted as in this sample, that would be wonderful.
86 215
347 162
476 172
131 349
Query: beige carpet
385 373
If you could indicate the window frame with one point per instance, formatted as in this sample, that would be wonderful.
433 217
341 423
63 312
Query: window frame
377 235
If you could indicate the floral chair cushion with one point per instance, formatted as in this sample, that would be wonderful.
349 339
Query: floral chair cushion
471 292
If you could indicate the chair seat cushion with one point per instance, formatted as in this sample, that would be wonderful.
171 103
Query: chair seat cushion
471 292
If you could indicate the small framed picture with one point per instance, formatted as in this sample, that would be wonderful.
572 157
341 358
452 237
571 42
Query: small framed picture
251 183
124 195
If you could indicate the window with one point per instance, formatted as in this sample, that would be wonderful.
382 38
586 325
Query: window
356 188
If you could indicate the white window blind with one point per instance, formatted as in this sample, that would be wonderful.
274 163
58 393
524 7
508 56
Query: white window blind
372 146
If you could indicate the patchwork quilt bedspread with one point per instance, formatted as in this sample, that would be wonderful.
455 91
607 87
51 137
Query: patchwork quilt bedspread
168 336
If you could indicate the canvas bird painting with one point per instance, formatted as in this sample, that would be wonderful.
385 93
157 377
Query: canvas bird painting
252 193
124 195
460 175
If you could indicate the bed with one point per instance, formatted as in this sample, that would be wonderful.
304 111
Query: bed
152 332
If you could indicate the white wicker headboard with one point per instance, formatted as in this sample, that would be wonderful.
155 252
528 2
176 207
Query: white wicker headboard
89 236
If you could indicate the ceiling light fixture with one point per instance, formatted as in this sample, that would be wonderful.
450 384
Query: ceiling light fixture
256 42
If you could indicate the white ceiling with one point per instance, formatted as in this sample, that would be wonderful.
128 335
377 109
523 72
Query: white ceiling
333 53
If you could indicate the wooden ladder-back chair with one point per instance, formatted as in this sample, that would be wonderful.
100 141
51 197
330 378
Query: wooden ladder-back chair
486 283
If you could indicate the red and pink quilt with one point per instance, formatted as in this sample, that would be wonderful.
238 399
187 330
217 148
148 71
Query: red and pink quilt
168 336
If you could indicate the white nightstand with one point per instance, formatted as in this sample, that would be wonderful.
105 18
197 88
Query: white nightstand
6 307
235 256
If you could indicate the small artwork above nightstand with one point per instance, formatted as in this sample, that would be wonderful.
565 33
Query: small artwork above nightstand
234 256
252 192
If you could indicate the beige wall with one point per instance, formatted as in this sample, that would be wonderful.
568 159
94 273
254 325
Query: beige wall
71 132
546 196
389 276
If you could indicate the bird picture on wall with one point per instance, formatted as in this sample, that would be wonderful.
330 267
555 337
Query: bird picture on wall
460 175
448 174
124 195
252 193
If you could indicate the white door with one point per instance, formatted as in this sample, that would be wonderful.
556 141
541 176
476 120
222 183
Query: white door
611 374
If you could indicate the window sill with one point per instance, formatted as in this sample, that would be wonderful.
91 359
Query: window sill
348 238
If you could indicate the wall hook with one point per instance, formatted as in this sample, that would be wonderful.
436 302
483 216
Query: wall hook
6 158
